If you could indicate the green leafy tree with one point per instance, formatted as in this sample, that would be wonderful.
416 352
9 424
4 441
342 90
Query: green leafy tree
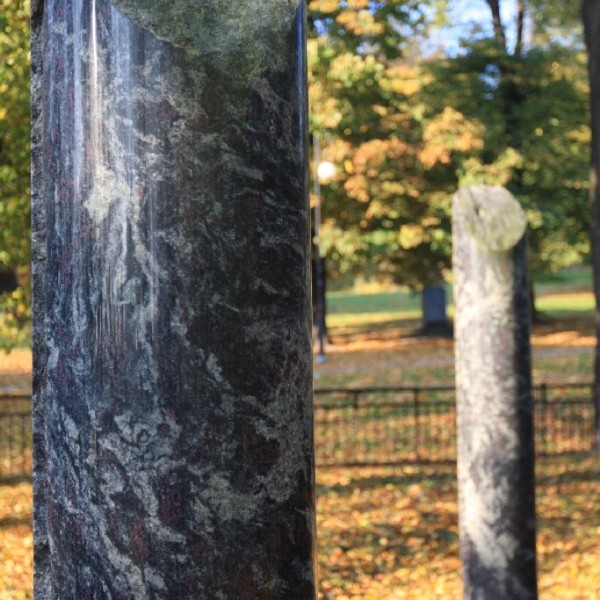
14 168
529 98
406 130
530 110
364 104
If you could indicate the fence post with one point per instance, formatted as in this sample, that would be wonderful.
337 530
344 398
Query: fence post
24 442
543 426
595 396
494 403
417 436
355 394
356 428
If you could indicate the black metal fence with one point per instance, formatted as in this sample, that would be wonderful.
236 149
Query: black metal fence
15 436
386 425
371 426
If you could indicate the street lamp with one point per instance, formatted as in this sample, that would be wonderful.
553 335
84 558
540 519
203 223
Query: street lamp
324 172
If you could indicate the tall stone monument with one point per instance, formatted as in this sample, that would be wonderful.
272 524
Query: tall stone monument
172 330
494 400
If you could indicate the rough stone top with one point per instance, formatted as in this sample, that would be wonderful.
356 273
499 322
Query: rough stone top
216 27
492 215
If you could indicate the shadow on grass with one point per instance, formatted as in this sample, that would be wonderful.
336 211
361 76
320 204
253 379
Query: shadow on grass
547 322
439 475
396 328
590 475
15 479
442 475
9 522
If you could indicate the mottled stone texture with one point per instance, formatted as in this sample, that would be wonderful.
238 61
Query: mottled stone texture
173 419
493 380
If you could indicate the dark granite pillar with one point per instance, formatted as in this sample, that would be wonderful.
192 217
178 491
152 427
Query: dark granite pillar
494 400
173 426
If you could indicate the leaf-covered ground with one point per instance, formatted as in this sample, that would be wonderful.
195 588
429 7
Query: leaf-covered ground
392 532
15 370
16 542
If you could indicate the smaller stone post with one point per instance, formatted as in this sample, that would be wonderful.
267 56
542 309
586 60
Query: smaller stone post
494 400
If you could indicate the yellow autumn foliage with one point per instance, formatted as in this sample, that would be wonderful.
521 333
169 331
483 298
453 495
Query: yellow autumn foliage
325 6
360 22
448 132
403 79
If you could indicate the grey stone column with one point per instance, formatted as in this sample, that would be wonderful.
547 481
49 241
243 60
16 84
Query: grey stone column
494 400
173 383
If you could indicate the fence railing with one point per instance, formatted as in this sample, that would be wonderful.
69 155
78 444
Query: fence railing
371 426
386 425
15 436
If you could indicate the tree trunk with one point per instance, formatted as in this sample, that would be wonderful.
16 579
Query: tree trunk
494 400
499 32
520 27
591 23
172 409
8 282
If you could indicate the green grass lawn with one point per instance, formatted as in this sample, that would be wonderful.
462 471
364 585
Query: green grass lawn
396 301
565 294
567 304
576 279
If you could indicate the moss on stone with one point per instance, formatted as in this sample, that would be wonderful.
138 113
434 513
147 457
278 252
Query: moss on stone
243 35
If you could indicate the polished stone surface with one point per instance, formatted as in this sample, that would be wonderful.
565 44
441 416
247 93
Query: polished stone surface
173 385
